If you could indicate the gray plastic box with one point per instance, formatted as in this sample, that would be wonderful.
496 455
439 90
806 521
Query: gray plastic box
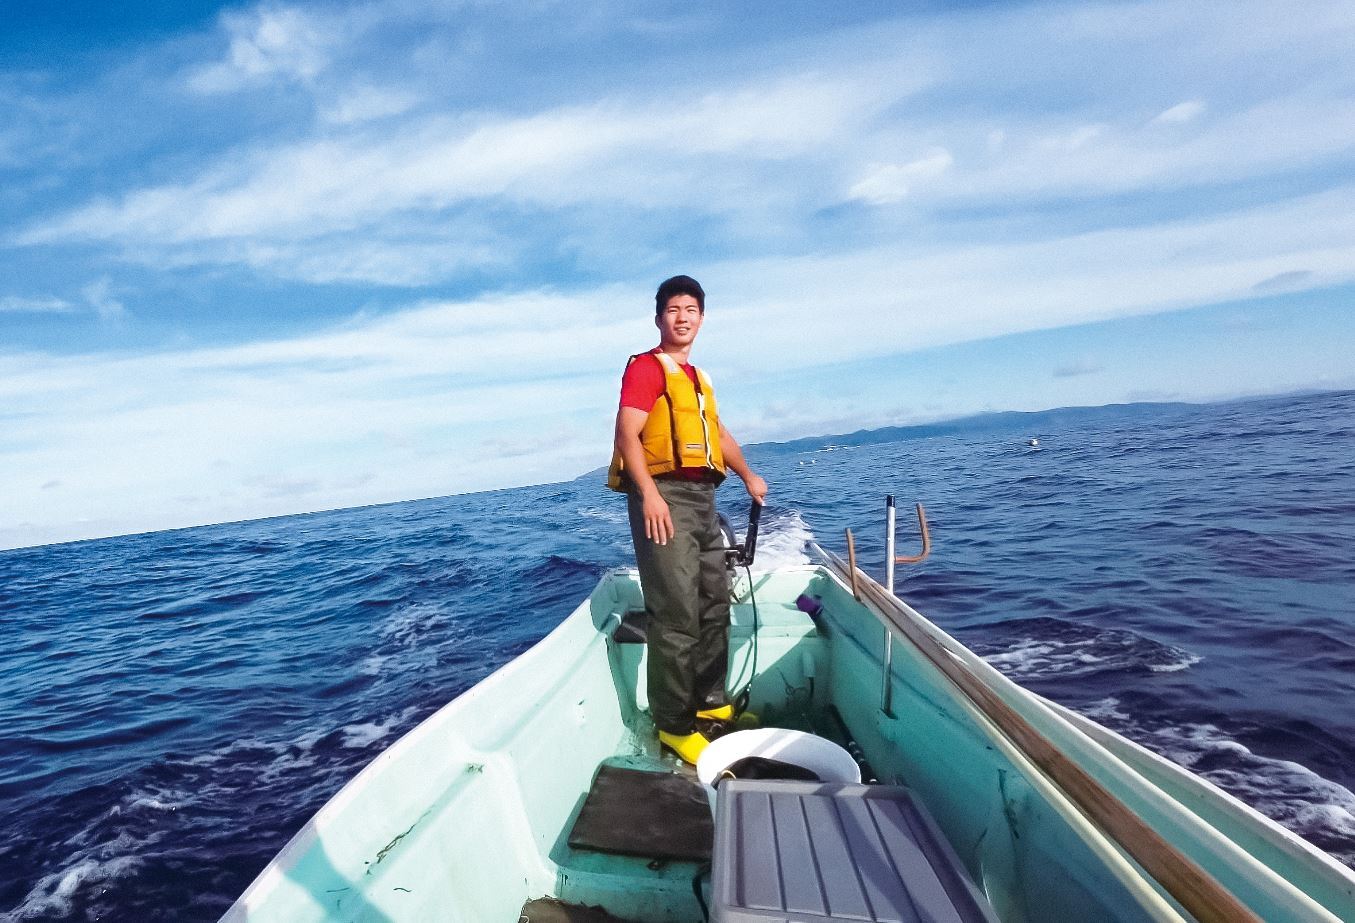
806 852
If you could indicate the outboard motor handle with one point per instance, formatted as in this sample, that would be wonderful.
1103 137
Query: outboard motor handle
741 555
750 540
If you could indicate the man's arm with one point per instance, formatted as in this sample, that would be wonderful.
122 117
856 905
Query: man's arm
658 523
734 461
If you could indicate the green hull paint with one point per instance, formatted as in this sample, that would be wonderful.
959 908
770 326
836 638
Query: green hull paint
466 817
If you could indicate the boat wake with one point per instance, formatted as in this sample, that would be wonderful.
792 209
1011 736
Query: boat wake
1317 809
782 540
1046 647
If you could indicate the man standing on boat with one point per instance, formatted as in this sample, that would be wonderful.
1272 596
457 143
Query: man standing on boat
671 453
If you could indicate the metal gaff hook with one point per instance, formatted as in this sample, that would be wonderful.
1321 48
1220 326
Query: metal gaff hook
926 540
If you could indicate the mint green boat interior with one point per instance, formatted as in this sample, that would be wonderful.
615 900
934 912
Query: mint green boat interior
468 816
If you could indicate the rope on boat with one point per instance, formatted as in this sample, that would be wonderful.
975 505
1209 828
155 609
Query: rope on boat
1191 886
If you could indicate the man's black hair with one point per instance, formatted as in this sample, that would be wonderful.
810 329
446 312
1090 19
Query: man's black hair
679 285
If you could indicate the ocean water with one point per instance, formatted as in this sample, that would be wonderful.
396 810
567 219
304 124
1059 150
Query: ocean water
173 706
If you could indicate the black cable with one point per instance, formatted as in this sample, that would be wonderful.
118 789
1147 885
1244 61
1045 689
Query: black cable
701 872
744 694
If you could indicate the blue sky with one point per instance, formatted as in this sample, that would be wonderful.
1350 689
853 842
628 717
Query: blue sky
261 259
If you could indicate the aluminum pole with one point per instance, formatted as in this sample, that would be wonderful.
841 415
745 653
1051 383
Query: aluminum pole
886 687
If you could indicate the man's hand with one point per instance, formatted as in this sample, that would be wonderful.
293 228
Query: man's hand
658 523
757 487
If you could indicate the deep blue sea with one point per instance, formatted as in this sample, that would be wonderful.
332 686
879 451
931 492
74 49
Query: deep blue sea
173 706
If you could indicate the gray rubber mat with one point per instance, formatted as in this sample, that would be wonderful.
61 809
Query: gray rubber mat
656 815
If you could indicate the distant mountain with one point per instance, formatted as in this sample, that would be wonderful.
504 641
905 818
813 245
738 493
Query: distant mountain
1031 423
1028 423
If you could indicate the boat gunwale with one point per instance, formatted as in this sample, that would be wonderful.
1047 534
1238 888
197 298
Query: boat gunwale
1285 840
275 872
1339 878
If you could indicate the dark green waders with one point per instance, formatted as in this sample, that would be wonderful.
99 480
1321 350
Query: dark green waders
686 591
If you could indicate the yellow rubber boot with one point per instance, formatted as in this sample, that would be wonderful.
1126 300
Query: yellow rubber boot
688 747
723 713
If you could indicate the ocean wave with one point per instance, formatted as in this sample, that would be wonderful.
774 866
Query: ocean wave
614 513
412 637
159 801
406 626
1316 808
1047 647
55 895
115 844
1284 790
357 736
557 566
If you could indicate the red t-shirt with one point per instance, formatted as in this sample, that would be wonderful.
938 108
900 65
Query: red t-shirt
641 386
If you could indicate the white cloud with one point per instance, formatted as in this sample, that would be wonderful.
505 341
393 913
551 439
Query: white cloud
294 209
366 103
265 43
447 396
556 157
99 295
407 174
18 304
1077 368
1070 140
1287 281
457 188
887 183
1181 113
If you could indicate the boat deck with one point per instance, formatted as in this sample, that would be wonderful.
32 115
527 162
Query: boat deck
468 817
610 877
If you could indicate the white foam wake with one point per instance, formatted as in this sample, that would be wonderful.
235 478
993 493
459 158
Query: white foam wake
364 735
1285 791
52 895
95 860
405 638
782 541
1077 650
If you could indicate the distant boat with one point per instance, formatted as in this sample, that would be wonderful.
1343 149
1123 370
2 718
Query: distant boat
1033 442
1016 808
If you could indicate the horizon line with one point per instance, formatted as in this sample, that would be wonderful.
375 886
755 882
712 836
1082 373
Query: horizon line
1240 398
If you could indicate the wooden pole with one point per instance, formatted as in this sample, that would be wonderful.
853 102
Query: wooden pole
1193 888
851 557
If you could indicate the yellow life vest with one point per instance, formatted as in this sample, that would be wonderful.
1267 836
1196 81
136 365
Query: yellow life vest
683 429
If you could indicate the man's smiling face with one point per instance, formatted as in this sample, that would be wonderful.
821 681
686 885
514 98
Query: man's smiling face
679 321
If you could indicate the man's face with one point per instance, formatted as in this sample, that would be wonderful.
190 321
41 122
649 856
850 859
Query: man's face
679 321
